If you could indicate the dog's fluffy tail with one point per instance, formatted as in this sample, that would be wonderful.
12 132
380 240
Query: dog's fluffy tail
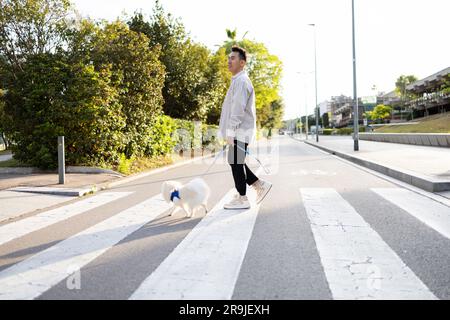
200 186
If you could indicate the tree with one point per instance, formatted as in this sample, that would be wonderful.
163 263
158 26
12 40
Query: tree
4 120
401 84
325 120
102 91
274 115
54 96
188 89
138 76
368 115
445 87
381 112
220 77
30 27
231 34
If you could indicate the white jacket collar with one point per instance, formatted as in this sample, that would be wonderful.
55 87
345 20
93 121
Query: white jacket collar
237 75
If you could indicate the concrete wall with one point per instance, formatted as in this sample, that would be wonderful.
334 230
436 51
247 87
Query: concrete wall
421 139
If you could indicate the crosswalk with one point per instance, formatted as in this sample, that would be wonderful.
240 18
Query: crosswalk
20 228
206 264
356 261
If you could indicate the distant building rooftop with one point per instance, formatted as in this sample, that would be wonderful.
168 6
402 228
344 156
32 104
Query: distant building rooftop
429 83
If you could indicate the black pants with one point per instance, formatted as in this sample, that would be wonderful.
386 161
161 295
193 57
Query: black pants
242 174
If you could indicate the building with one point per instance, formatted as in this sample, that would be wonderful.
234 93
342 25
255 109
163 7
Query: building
324 107
432 94
341 108
400 112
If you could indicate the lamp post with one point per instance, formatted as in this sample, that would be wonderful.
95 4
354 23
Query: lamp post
355 95
315 81
306 102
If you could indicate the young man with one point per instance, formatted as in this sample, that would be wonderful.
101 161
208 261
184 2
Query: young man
237 126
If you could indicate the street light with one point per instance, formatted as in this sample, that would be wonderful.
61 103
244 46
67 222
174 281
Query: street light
306 102
355 95
315 76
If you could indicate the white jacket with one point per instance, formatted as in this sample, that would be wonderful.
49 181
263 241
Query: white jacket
238 117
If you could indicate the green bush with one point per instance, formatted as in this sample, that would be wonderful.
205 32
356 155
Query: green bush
183 135
139 80
190 135
209 136
94 93
345 131
327 132
125 164
54 97
162 136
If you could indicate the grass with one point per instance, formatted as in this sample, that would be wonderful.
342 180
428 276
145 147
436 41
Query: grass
12 163
434 124
142 164
137 165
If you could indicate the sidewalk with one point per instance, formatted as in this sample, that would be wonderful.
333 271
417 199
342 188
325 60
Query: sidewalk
23 194
5 156
427 168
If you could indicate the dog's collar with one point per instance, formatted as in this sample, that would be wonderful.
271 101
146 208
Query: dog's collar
174 194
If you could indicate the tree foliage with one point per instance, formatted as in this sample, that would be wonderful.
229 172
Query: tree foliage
53 97
4 120
101 89
139 77
29 27
192 85
112 88
380 112
326 120
401 84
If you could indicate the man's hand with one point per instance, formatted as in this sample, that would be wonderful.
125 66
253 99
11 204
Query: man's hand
230 140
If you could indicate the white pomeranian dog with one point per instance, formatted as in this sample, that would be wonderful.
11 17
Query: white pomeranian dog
187 196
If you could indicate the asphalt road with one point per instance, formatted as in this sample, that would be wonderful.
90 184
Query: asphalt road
326 230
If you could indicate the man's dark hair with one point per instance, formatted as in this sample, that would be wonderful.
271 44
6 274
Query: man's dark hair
241 51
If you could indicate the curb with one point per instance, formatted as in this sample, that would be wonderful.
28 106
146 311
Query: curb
75 192
79 192
69 169
421 181
91 170
420 139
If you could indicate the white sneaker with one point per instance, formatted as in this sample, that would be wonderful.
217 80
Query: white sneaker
237 203
262 187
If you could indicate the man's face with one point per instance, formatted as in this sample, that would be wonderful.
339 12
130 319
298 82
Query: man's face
235 65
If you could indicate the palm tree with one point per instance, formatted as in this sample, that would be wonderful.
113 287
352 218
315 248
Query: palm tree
231 34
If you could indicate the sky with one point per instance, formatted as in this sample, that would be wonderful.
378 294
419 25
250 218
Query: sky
393 37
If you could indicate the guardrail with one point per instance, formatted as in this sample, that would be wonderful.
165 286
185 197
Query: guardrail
420 139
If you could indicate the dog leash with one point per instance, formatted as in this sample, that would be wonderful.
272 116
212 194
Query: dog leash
246 152
251 155
215 159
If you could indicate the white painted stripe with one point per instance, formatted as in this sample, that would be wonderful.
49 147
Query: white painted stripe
22 227
431 195
206 264
357 262
32 277
432 213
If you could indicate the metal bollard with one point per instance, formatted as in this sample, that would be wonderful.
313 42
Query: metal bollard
61 160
